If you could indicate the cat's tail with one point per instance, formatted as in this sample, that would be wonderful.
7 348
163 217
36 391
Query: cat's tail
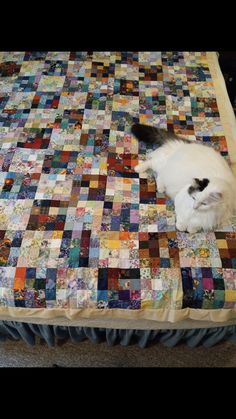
153 135
148 134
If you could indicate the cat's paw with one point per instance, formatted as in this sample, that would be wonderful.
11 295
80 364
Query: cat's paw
161 189
138 168
192 230
181 226
142 167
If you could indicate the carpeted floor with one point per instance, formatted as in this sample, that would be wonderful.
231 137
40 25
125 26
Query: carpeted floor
86 354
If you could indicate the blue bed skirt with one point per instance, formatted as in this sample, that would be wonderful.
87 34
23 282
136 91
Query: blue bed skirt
54 334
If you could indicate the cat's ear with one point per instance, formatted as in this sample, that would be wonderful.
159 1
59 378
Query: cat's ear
194 186
214 197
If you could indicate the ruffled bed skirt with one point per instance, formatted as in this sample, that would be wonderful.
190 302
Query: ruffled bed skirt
54 334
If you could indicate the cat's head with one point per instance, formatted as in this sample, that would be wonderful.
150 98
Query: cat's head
205 194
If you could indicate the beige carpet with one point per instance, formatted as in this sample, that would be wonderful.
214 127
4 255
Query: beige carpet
86 354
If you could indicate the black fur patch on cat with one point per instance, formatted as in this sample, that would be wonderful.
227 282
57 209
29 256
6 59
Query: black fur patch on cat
198 185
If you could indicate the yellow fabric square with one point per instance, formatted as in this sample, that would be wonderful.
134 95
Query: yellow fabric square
222 244
93 184
114 244
230 295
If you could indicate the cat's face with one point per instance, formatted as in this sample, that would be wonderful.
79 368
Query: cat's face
204 194
204 202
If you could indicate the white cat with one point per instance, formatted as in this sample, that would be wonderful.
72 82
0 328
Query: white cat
195 176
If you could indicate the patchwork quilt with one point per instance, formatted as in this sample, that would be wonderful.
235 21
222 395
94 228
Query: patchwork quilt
82 234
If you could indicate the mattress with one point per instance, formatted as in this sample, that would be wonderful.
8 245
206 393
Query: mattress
84 240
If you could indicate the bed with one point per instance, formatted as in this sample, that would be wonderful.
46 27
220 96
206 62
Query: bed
88 248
